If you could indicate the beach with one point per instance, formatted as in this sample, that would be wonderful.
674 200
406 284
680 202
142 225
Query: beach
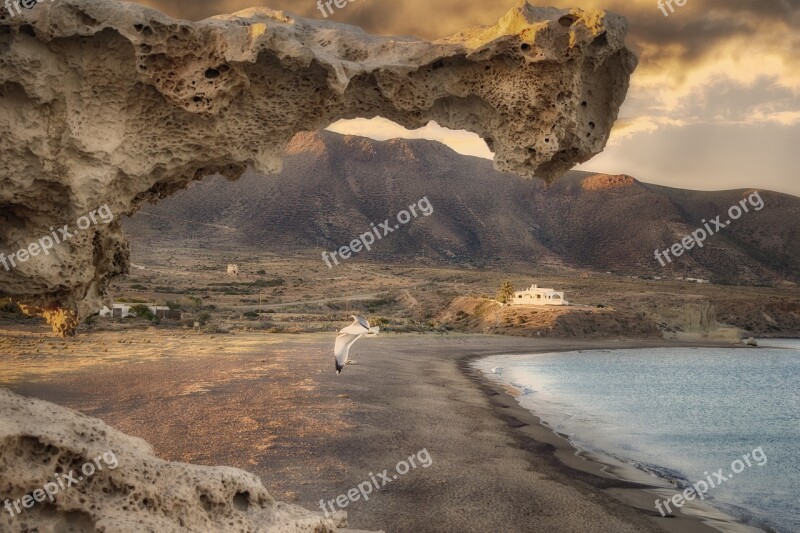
272 404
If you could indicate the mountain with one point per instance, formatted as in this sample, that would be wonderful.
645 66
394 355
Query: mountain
333 187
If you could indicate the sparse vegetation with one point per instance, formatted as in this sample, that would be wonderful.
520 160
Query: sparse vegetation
142 311
506 292
416 298
203 318
10 309
128 300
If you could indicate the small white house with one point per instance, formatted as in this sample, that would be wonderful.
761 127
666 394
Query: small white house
124 310
233 270
538 296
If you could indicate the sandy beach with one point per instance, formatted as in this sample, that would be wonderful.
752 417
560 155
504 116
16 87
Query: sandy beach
272 404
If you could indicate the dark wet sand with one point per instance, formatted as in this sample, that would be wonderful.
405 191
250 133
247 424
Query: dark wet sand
272 404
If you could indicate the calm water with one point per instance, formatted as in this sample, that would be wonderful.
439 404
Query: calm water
679 413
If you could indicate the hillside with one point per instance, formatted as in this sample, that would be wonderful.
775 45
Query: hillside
332 187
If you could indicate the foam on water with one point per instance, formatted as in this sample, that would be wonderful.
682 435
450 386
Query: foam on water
679 413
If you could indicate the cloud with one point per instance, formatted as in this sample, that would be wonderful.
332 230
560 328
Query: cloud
742 41
709 157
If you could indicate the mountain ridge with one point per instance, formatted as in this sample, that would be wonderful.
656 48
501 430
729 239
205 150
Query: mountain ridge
332 187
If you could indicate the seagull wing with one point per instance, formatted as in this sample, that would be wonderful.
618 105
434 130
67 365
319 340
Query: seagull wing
353 329
357 327
342 348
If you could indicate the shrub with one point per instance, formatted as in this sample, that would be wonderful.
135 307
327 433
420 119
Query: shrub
142 311
9 306
506 292
130 300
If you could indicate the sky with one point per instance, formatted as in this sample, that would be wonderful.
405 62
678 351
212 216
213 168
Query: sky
713 105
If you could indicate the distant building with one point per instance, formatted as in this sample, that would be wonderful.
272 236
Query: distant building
123 310
233 270
698 280
538 296
167 313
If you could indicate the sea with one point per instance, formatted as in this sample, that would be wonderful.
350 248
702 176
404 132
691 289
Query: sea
680 414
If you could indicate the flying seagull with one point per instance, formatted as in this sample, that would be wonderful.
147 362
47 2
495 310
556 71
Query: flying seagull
348 336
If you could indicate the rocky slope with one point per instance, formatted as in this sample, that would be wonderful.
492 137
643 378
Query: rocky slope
125 488
479 315
110 104
332 187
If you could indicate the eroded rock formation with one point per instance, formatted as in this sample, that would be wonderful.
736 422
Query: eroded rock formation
111 104
46 486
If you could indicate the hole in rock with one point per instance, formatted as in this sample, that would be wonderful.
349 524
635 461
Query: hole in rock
381 129
567 20
212 73
241 500
600 41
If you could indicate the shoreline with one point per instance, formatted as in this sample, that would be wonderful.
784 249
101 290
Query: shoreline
643 489
272 405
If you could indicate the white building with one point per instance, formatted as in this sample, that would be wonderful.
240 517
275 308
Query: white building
124 310
233 270
536 296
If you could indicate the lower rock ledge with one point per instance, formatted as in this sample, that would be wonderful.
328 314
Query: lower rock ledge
63 471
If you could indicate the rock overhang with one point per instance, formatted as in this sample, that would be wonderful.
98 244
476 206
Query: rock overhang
114 104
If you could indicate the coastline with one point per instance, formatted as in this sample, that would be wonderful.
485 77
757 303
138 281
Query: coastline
640 489
271 404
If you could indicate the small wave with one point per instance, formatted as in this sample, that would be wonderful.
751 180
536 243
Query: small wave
522 388
672 476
